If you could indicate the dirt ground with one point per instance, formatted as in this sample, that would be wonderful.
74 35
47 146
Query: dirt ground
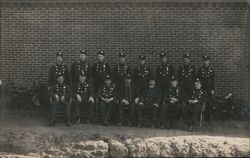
25 135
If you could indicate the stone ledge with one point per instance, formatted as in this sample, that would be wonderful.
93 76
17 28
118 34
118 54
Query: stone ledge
125 1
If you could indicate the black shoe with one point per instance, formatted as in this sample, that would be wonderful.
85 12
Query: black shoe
106 123
87 121
52 123
120 123
129 124
78 121
190 129
166 127
68 124
139 125
162 126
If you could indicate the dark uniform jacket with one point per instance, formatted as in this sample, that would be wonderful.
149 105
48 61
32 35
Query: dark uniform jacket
173 92
142 73
58 69
163 74
84 89
128 92
107 92
151 96
119 73
61 90
100 70
186 76
206 75
199 95
78 68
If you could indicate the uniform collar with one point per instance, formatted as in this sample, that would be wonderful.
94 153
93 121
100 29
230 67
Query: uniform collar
82 62
164 64
59 63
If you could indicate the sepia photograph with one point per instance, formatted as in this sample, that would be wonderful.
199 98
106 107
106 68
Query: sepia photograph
124 78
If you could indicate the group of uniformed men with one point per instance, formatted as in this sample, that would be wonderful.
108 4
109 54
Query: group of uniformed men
169 96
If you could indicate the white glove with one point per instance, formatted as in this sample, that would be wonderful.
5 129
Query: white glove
195 101
62 98
212 92
155 104
109 100
136 100
56 97
91 99
125 101
79 98
174 99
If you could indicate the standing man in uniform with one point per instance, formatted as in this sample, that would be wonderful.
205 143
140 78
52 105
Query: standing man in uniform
83 96
195 104
79 67
107 96
58 69
171 103
120 71
164 73
206 74
100 70
127 95
186 76
60 94
150 99
142 74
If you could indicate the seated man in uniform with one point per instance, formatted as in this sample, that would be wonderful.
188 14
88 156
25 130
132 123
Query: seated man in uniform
195 104
60 94
127 95
83 96
171 103
107 99
150 100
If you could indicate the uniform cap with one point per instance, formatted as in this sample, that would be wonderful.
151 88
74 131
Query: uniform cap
122 54
205 58
163 55
198 80
82 73
173 78
59 75
185 55
128 76
107 77
152 78
101 52
59 54
83 52
142 57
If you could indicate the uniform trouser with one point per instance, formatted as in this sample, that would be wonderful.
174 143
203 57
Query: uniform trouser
151 109
164 85
187 87
98 83
122 108
106 109
141 84
88 106
208 113
66 106
193 113
169 112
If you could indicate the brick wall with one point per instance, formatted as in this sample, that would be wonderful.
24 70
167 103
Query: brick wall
33 31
